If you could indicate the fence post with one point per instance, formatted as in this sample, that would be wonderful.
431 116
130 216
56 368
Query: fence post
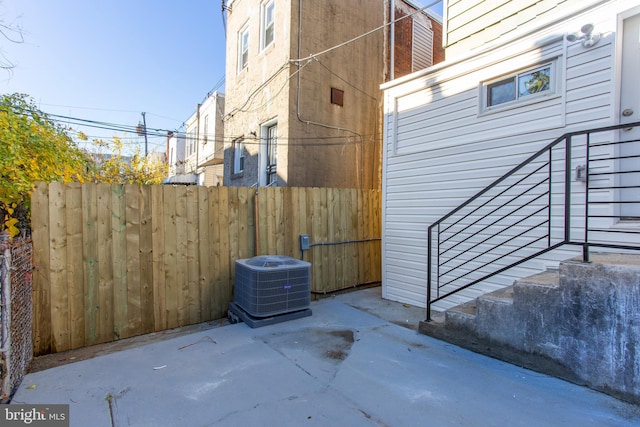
5 316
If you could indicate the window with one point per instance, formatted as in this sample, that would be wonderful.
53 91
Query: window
519 86
272 154
238 156
206 129
267 23
191 142
243 48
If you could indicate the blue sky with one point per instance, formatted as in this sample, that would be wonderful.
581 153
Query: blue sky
110 60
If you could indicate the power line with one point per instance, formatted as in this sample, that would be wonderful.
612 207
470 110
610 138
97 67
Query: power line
209 138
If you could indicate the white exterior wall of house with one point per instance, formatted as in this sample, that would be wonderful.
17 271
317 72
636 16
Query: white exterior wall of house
175 154
441 147
204 145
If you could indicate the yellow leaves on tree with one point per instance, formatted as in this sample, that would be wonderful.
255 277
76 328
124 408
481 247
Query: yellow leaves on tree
32 148
116 168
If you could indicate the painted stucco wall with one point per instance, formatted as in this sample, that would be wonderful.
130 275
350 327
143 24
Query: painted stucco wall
319 143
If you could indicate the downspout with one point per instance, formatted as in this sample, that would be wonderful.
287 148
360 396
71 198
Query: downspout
392 41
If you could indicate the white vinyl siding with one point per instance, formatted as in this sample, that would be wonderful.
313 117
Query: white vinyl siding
441 147
474 23
456 101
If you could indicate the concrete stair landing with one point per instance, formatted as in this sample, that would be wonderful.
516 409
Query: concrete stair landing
580 323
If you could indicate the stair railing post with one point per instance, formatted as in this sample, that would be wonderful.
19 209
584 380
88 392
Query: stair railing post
429 274
585 244
567 189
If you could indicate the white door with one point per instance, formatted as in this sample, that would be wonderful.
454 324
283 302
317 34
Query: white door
629 181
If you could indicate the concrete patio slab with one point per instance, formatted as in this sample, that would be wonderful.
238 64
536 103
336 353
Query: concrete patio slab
340 367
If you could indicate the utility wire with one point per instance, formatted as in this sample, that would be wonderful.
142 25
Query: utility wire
210 138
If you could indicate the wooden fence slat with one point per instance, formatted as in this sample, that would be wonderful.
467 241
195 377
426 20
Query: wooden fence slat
147 300
227 267
280 223
360 254
193 244
132 214
245 234
90 262
377 232
169 304
234 229
119 236
105 264
351 223
60 317
75 272
291 229
41 283
181 303
270 217
158 248
330 253
215 245
205 282
318 232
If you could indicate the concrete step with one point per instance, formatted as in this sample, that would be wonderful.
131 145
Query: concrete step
547 278
501 296
575 322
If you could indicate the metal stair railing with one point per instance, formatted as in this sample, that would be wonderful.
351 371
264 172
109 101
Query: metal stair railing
577 190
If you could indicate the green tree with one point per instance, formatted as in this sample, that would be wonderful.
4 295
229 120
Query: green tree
32 148
114 167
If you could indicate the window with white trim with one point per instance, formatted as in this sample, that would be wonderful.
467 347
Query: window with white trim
267 24
243 48
206 129
191 142
519 86
238 156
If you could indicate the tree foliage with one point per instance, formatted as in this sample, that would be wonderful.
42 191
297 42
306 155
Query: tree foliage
114 167
32 148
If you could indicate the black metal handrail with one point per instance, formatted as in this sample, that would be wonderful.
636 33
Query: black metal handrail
537 207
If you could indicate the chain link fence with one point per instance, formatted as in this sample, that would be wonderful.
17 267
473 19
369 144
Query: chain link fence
16 349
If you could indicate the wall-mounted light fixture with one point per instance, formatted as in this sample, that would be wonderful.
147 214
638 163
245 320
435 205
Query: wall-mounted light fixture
588 37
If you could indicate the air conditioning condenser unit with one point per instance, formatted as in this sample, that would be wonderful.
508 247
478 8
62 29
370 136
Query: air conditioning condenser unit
270 289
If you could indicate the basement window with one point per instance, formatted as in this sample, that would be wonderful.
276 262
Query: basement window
337 96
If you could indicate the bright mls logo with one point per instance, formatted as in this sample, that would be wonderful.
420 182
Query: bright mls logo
34 415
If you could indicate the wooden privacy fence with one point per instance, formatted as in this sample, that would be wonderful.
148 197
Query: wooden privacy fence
114 261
